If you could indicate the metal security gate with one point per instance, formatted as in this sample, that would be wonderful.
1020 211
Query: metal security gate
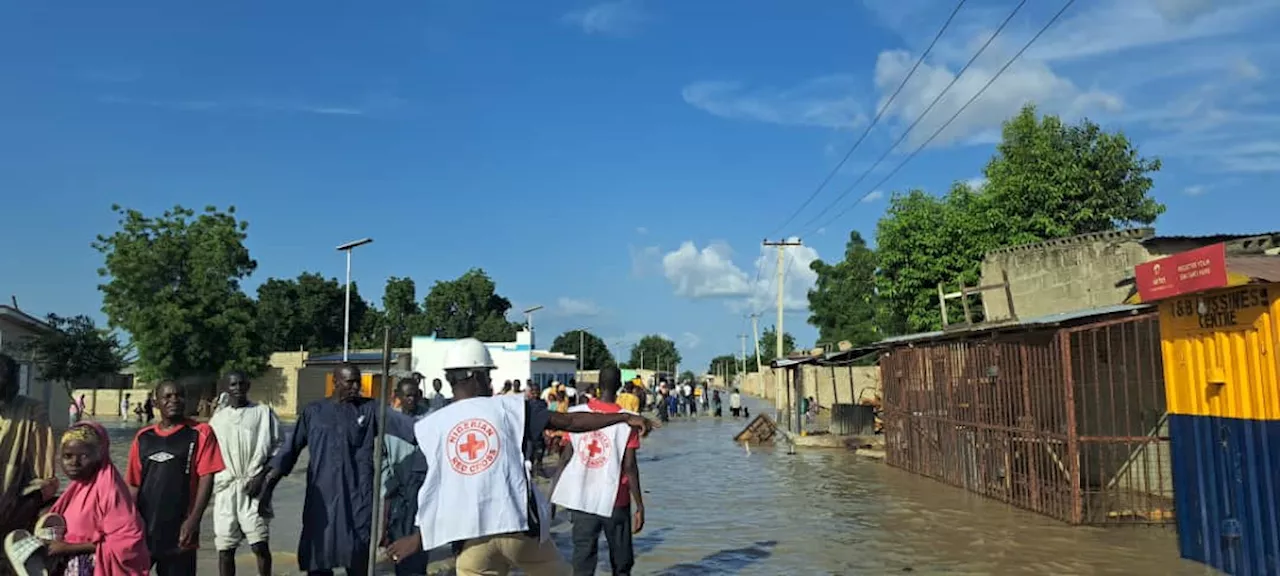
1061 420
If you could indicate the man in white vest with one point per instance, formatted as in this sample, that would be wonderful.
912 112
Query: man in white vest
478 495
599 483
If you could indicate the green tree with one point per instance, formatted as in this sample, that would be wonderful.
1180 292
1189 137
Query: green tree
769 347
76 349
656 352
400 311
728 364
687 376
173 283
843 304
306 312
1049 179
469 306
923 241
594 352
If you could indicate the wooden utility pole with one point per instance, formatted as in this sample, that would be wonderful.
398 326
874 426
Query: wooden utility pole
778 379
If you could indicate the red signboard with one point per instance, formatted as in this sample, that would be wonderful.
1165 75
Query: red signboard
1183 273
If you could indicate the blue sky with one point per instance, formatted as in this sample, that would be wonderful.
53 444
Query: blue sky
617 162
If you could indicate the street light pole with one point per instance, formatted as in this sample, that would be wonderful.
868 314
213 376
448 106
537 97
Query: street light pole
528 322
346 314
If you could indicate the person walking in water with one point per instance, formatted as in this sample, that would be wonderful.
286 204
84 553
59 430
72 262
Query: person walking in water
477 451
337 511
248 435
735 403
171 468
600 484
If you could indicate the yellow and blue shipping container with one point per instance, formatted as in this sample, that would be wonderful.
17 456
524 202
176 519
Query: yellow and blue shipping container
1222 378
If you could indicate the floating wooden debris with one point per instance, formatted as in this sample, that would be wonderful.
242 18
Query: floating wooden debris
760 431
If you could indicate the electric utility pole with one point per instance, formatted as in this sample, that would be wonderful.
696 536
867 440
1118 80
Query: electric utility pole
742 339
778 378
755 337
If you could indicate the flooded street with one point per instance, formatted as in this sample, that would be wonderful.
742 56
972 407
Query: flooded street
714 509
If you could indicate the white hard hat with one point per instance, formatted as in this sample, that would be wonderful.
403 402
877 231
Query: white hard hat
467 353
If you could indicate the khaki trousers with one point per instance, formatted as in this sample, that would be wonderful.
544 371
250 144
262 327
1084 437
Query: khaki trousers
497 555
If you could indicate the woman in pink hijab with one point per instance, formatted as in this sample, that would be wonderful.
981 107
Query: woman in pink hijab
104 531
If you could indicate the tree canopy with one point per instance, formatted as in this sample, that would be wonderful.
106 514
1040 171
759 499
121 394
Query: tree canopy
1047 180
306 313
594 352
843 304
729 364
173 283
469 306
769 347
657 353
76 349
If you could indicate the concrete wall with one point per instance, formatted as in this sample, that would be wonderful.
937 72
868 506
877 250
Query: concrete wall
1076 273
54 396
828 385
1064 275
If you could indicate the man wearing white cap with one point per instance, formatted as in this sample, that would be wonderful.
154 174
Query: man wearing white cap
478 494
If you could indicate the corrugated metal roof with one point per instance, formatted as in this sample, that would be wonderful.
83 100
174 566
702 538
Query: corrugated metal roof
1261 268
352 357
24 318
1029 323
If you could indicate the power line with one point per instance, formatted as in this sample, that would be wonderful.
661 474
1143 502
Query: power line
919 118
953 117
874 121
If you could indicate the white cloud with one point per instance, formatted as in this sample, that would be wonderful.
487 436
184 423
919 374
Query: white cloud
690 340
368 106
573 307
617 18
706 273
825 102
1194 190
976 183
711 273
642 230
1025 81
872 196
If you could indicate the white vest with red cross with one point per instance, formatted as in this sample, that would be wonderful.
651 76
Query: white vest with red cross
477 483
590 479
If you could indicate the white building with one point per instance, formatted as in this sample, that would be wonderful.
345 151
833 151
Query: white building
515 361
17 328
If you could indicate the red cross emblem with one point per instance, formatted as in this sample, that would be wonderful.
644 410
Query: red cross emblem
593 449
472 446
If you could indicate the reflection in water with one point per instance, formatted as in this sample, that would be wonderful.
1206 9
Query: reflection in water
831 512
714 509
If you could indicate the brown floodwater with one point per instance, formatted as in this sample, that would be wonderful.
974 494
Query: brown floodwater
715 509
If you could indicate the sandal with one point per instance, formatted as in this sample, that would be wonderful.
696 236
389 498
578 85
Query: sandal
25 553
51 528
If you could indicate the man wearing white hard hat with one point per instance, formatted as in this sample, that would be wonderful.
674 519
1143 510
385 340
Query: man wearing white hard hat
478 494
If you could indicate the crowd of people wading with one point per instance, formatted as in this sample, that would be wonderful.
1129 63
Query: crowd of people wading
459 475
